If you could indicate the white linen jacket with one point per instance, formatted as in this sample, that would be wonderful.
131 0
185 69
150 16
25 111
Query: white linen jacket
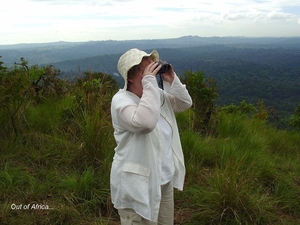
136 168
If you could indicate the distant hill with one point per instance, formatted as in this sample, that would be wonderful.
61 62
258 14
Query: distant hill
48 53
244 68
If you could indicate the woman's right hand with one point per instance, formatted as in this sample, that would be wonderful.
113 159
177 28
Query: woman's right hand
152 69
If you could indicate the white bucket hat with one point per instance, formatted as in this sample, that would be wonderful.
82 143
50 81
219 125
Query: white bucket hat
131 58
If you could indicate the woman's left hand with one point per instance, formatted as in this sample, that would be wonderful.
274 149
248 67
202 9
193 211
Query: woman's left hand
168 76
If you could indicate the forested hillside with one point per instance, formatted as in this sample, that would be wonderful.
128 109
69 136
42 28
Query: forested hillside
45 53
271 75
251 69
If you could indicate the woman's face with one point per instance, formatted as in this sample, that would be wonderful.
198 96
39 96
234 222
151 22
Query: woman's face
136 80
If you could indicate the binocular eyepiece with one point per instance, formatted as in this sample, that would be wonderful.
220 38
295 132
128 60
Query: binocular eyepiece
164 67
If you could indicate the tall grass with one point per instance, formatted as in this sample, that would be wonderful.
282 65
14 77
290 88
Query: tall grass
248 173
60 161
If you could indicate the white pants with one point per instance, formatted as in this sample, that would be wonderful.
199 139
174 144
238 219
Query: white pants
166 210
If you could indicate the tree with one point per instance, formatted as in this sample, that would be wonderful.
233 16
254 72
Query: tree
295 119
204 93
14 91
243 108
23 85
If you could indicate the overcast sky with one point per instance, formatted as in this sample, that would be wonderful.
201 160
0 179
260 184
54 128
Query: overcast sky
36 21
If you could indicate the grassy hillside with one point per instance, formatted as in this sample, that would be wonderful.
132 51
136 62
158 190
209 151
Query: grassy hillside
55 169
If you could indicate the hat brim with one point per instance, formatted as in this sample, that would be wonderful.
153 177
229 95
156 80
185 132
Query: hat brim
134 61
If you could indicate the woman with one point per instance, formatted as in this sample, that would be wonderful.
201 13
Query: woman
148 161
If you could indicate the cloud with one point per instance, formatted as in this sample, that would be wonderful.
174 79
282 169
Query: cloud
78 20
274 15
74 2
235 16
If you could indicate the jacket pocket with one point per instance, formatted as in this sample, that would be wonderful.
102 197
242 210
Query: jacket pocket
135 184
136 169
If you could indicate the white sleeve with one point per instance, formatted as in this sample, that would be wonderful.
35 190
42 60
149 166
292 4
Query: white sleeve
141 117
178 95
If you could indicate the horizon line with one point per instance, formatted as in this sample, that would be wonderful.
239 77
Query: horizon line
148 39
